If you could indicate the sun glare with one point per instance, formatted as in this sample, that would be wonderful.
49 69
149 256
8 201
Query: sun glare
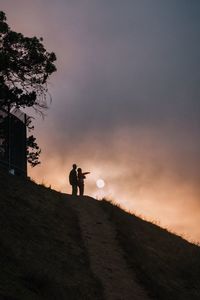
100 183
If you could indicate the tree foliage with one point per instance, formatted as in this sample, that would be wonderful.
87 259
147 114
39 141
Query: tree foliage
33 151
25 66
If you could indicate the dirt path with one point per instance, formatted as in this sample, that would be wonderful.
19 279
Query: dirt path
106 257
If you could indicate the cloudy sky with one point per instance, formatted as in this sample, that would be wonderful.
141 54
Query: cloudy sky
126 101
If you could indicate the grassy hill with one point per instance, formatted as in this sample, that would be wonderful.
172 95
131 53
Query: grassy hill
49 249
42 251
165 264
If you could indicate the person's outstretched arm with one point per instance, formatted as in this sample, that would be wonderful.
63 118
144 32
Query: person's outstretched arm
85 173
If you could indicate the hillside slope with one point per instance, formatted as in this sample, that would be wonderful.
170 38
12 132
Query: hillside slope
54 246
106 256
166 265
42 252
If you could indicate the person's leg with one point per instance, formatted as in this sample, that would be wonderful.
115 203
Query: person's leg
74 190
81 189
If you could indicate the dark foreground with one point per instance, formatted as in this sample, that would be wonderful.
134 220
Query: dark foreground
48 252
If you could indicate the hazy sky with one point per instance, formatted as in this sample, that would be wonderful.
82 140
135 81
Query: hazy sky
126 101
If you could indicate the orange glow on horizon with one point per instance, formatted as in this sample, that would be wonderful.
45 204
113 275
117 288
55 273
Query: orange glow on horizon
172 210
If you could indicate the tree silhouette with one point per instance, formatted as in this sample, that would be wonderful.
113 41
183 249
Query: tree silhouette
25 66
33 151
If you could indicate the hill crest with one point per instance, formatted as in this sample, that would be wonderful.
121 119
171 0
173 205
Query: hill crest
55 246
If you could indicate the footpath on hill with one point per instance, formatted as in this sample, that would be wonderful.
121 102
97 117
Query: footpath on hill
106 257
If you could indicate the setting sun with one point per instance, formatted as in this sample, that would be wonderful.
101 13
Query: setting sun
100 183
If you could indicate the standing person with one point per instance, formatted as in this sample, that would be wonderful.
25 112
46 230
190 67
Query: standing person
73 180
81 177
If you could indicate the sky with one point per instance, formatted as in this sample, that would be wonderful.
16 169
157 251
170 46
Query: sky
125 102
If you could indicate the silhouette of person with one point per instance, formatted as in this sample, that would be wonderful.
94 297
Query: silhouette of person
81 177
73 180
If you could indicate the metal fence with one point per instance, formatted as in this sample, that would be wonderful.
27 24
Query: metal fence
13 141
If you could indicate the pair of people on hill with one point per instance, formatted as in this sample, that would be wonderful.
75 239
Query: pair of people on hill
76 179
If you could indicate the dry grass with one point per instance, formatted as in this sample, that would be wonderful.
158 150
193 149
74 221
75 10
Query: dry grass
165 264
42 251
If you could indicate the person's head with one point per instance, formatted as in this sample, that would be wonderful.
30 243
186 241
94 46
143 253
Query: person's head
79 170
74 166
